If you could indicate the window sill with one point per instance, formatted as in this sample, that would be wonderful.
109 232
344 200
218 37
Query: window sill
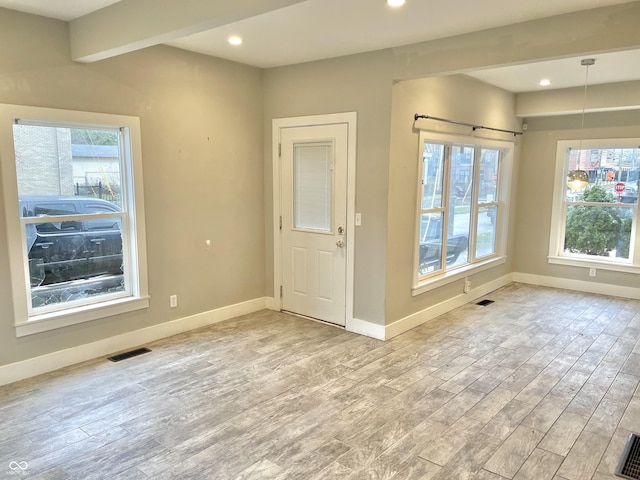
599 264
455 275
74 316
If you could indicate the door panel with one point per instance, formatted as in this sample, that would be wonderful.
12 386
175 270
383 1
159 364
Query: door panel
325 275
314 205
299 271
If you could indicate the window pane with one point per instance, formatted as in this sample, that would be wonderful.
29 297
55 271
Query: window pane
615 170
76 291
489 163
67 162
76 265
312 186
104 247
64 171
433 158
460 202
486 231
458 243
430 242
598 231
461 175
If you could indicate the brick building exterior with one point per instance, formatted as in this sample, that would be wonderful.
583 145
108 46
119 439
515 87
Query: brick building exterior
44 160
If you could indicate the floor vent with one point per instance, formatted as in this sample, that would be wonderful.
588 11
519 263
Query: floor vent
484 303
132 353
629 465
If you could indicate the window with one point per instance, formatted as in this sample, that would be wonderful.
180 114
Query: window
597 227
461 220
73 206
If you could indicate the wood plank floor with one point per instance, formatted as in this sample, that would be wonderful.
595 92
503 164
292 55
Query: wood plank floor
542 384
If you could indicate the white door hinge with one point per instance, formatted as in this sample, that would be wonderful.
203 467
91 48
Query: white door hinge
280 291
279 149
280 222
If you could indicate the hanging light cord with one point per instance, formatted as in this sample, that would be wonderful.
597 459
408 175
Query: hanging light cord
586 62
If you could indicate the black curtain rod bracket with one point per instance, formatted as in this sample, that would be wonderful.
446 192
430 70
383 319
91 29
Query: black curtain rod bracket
416 117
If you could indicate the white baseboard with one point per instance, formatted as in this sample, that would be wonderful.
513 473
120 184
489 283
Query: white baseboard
578 285
272 303
362 327
63 358
407 323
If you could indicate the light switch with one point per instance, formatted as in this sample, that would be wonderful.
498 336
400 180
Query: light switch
358 219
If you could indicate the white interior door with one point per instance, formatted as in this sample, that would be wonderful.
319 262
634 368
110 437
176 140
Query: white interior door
314 213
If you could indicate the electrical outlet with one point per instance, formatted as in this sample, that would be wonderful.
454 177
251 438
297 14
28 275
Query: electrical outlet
592 272
467 285
173 301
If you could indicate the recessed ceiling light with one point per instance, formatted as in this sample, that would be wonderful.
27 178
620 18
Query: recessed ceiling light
235 40
545 82
395 3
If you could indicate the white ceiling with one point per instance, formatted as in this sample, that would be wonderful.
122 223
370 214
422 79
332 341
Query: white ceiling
60 9
316 29
568 72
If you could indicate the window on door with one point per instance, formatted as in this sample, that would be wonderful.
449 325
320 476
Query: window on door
461 219
598 225
73 215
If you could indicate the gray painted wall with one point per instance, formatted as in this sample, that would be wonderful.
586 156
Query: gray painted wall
456 97
359 83
206 134
201 122
536 189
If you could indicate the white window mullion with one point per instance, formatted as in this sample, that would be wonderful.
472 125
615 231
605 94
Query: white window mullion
475 186
446 192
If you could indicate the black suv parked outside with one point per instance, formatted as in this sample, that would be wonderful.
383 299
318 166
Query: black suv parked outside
64 251
431 248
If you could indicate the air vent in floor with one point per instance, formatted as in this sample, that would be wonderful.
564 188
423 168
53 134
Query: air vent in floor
629 465
132 353
484 303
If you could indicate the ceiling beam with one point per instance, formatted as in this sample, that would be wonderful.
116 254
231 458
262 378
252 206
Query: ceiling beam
131 25
567 101
587 32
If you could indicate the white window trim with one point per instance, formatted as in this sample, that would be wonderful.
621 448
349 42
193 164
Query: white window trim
502 227
556 255
139 296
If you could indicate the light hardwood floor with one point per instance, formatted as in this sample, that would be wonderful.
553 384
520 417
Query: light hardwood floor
542 384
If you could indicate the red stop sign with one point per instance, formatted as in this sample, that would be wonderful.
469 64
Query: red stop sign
619 188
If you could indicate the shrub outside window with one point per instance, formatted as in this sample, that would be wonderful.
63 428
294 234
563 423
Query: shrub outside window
598 225
73 200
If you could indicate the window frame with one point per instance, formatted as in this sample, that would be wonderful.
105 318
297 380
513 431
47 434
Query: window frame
424 283
29 322
558 214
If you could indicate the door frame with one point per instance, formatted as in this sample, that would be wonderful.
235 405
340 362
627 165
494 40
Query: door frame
350 119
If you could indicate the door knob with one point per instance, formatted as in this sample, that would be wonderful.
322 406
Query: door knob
340 243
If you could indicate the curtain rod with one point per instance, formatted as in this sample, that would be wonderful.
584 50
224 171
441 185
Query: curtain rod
416 117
